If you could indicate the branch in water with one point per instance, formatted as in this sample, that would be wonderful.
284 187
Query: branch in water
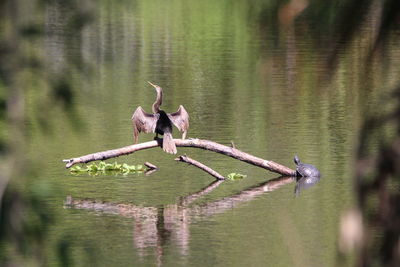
200 165
150 166
197 143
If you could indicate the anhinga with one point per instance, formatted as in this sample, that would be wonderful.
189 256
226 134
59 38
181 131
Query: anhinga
160 122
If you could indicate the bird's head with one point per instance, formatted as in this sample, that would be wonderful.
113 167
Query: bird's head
158 88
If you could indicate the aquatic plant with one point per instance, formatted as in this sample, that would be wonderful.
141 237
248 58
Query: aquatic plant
235 176
108 168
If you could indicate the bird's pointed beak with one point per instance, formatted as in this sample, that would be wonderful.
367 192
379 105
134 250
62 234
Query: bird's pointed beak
155 86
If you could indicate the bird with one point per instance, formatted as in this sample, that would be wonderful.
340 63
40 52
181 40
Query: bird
160 122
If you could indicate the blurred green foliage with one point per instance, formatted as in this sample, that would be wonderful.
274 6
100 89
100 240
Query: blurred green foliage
25 72
36 81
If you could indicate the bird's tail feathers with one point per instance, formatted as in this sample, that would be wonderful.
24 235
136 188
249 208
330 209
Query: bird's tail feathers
169 144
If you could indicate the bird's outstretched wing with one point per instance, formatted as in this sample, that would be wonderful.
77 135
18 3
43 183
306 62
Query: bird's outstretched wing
143 122
181 120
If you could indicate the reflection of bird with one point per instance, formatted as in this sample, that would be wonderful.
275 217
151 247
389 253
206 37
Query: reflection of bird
305 170
160 122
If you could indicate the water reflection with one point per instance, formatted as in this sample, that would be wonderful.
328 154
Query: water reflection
155 226
303 183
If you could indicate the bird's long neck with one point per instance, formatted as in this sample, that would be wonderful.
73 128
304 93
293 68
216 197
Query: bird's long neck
157 104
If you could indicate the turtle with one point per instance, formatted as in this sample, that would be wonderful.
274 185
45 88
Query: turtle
305 170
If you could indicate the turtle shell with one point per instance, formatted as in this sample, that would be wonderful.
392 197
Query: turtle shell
307 170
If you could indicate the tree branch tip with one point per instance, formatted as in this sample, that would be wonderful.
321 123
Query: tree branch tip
150 166
181 158
69 164
233 144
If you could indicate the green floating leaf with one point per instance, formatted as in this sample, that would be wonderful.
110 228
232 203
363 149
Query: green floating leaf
77 169
117 166
125 166
101 166
92 168
132 168
108 168
139 168
236 176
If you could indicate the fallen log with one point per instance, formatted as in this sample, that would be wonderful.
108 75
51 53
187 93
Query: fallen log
197 143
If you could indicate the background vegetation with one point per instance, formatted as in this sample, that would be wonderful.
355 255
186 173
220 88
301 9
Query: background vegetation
48 91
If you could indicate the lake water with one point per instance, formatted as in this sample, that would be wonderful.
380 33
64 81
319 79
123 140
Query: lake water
267 90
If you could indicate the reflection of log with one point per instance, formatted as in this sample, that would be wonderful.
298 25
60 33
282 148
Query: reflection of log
185 201
219 206
126 210
228 203
200 165
197 143
151 224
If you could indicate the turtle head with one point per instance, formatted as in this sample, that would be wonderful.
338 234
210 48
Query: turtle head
296 160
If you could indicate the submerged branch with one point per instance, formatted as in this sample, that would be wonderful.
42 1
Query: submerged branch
151 166
197 143
201 166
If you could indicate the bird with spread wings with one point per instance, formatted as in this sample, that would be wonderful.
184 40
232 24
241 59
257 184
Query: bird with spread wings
160 122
